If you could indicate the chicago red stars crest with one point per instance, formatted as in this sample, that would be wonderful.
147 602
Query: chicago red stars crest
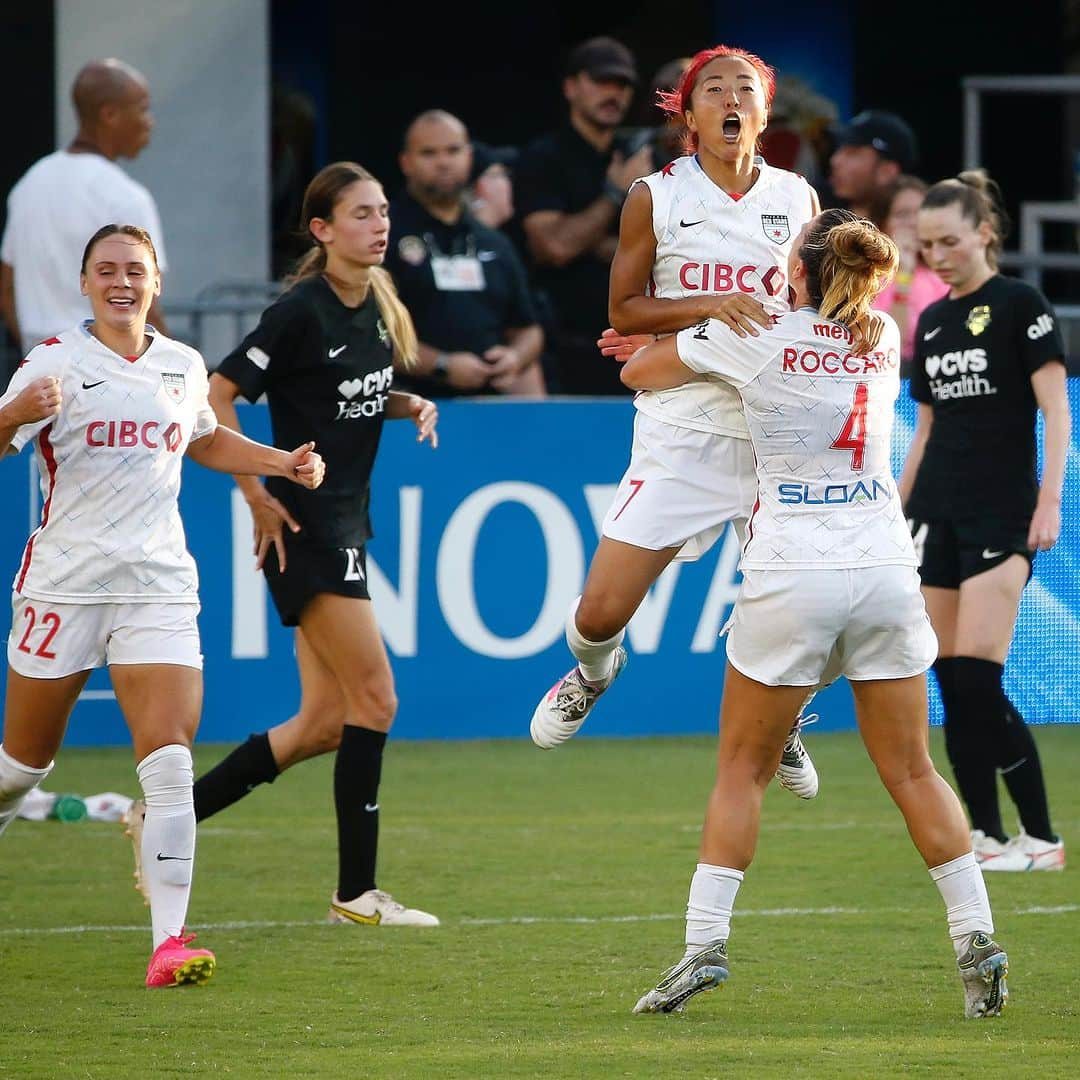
776 227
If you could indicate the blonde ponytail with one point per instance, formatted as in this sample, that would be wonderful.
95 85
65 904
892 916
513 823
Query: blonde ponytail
396 316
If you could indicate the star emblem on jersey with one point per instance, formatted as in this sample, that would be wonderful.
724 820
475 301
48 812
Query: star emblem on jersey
351 387
175 386
978 319
776 227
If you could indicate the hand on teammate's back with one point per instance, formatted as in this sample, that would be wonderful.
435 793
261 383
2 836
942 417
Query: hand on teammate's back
742 313
622 346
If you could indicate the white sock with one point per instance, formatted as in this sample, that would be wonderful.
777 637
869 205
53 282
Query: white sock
708 911
168 841
595 658
16 782
967 907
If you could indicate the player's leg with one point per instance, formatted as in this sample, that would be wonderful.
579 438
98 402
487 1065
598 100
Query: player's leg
343 634
754 720
315 729
893 722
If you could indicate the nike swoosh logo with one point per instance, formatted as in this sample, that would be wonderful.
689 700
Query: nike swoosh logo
988 554
172 858
338 351
931 333
91 385
689 224
371 809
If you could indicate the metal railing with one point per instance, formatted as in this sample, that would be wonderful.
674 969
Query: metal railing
220 314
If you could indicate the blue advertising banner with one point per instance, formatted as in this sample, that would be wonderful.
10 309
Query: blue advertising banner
480 548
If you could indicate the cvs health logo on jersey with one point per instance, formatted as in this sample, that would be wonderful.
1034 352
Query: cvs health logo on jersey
370 391
125 434
961 374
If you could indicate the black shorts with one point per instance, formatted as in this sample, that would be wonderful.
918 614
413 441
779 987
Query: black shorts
311 569
950 552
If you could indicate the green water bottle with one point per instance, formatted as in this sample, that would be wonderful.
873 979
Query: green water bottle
67 808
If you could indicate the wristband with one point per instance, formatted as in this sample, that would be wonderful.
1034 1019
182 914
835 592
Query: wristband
614 193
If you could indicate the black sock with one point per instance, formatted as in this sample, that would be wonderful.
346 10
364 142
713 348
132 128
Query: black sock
1022 772
974 715
357 769
250 764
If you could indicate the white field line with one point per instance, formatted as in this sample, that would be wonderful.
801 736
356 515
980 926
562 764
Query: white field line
512 920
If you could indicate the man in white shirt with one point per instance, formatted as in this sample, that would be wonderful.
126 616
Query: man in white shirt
64 198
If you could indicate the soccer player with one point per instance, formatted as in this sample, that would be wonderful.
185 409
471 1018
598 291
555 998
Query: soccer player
112 407
829 587
707 236
987 356
323 355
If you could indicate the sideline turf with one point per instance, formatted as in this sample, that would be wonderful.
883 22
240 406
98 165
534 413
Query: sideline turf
485 832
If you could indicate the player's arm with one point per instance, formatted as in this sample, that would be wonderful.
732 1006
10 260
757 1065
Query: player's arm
923 423
656 367
7 301
38 400
227 451
419 410
1051 395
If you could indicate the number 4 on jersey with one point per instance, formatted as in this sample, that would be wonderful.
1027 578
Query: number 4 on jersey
853 434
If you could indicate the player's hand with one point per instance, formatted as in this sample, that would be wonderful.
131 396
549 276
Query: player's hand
871 335
1045 526
38 401
425 416
622 346
305 467
742 313
268 516
466 371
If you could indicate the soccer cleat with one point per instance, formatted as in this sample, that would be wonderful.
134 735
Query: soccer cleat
987 849
704 971
174 964
1023 853
796 772
377 908
565 706
134 820
983 966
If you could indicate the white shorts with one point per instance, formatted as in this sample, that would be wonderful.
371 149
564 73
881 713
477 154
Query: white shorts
809 627
49 640
681 489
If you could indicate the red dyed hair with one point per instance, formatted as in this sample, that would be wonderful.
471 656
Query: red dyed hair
676 102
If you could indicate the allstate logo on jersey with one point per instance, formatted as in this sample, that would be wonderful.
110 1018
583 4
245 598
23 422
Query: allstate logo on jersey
175 386
776 227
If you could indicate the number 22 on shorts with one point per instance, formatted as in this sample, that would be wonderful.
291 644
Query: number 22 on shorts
51 621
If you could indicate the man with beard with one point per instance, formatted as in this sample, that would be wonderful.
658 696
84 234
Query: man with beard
463 282
569 186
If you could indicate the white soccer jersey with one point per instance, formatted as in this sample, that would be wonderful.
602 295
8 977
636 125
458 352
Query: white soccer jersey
110 465
710 241
820 422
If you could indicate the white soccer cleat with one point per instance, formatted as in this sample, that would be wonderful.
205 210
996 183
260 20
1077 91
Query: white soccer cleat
377 908
704 971
796 772
987 848
1023 853
563 709
134 820
983 966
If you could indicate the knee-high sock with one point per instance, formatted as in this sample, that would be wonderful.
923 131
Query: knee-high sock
974 713
595 658
168 842
249 765
16 782
967 907
708 910
357 771
1022 772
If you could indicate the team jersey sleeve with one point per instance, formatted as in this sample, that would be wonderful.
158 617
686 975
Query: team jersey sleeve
37 364
713 348
1040 341
205 418
267 352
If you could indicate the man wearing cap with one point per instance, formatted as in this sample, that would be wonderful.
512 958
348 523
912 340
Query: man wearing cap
871 152
569 188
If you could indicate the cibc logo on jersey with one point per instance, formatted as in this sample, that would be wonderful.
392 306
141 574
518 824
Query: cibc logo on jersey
374 387
724 278
126 434
961 374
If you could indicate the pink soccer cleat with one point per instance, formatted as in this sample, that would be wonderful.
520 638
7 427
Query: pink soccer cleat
174 964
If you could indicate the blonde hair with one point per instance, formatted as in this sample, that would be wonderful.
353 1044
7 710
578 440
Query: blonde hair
848 262
320 198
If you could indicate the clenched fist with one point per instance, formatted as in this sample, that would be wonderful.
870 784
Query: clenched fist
38 401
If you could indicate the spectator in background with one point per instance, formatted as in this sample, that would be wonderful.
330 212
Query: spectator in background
570 186
915 284
491 186
665 132
67 196
463 282
873 150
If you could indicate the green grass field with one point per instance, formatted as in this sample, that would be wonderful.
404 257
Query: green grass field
561 880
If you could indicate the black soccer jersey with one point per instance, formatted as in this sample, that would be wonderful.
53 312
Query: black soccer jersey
974 358
326 370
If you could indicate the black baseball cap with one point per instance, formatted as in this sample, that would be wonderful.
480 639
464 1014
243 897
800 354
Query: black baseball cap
886 132
603 59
